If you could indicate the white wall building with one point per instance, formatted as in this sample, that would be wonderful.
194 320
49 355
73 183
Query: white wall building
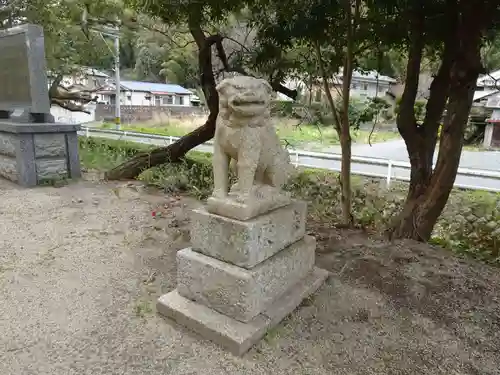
133 93
147 94
89 78
369 84
489 82
487 85
69 117
364 85
83 78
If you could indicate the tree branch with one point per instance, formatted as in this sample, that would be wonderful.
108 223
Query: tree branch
406 121
168 36
72 100
326 86
70 106
221 54
238 43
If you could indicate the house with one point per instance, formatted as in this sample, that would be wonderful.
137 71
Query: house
83 77
138 93
487 86
492 130
133 93
481 97
489 82
370 84
364 85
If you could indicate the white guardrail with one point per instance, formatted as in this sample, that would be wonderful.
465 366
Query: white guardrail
474 179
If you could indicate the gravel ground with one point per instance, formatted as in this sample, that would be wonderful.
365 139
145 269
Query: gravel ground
82 265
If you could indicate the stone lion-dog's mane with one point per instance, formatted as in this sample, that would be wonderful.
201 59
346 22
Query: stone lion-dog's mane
244 134
230 86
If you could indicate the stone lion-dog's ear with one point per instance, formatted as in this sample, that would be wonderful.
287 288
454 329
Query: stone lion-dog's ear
267 86
222 86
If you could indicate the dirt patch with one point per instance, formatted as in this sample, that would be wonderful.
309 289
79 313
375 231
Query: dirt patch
457 296
82 265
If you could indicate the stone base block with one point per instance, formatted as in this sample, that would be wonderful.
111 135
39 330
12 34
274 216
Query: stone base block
237 292
247 243
32 154
231 207
233 335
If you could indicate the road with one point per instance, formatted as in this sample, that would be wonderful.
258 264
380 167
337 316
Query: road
396 150
393 150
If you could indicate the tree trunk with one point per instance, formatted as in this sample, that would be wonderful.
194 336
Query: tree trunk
352 11
345 178
173 153
456 80
345 143
418 138
341 121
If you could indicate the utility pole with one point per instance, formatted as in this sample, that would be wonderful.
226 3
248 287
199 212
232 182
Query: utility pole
114 33
117 83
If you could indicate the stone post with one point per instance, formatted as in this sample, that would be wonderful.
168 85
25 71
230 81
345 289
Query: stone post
488 134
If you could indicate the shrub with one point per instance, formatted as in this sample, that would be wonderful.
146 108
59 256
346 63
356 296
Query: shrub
419 107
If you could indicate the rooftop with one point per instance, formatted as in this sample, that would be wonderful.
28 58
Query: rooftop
85 71
372 75
478 95
154 87
491 79
356 75
93 72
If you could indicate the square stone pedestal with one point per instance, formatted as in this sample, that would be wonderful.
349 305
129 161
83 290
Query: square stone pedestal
236 336
241 278
247 243
237 292
31 154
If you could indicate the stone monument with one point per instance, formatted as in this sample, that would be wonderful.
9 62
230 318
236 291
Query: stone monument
33 149
250 263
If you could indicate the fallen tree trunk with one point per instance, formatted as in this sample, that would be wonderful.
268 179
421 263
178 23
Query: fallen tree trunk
173 153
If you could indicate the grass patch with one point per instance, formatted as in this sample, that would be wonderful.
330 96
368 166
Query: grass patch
469 225
296 136
172 128
327 136
142 309
378 136
99 154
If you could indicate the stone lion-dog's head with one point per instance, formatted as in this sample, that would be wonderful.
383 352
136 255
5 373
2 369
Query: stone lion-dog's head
244 101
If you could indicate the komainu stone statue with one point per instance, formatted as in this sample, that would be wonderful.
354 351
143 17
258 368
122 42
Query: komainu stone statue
251 262
246 140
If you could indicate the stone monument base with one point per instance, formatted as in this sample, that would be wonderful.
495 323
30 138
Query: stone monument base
230 206
237 292
247 243
32 154
241 278
234 335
